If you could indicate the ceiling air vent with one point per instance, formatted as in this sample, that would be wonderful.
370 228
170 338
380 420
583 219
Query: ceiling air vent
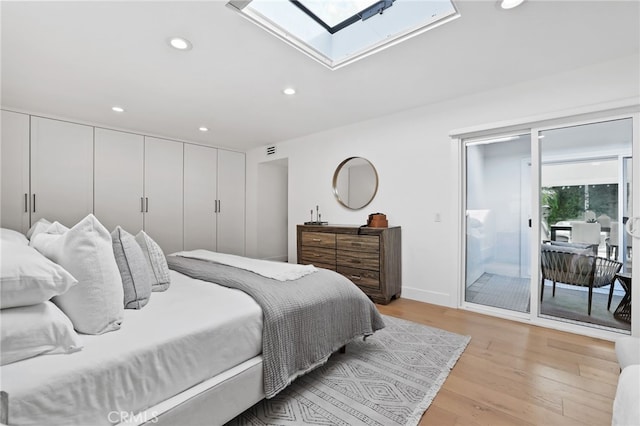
271 150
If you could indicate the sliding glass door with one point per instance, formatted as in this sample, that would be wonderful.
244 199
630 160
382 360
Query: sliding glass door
498 211
585 181
574 265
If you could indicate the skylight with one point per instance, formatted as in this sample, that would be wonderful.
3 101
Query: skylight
339 32
335 15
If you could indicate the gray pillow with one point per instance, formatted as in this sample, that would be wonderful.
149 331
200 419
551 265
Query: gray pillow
135 273
157 262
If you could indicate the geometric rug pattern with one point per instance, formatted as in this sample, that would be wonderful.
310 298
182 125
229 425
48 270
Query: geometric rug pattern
388 379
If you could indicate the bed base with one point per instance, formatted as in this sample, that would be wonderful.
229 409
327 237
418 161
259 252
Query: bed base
212 402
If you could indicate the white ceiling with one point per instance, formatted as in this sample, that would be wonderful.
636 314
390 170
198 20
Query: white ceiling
77 59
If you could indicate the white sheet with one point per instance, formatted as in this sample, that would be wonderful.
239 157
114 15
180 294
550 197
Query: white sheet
280 271
190 333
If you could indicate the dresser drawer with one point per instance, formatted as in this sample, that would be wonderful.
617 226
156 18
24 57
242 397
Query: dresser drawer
365 243
361 277
319 239
370 258
360 260
316 255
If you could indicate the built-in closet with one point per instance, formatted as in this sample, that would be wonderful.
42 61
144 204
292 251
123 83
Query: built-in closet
119 164
138 185
163 189
211 218
185 196
14 155
47 170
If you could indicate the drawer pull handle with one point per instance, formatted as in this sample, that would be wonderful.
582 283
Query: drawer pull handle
355 261
316 239
356 277
356 244
316 255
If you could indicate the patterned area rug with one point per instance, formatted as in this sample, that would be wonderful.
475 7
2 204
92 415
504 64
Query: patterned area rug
389 379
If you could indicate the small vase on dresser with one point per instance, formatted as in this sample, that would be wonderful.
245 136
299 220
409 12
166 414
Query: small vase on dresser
369 257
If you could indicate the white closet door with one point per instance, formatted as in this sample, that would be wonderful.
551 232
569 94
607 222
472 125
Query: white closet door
119 177
15 171
163 187
200 175
61 171
231 196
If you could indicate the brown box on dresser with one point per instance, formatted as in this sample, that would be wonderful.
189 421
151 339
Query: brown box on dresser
370 257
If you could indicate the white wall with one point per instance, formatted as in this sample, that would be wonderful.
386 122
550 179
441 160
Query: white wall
272 210
418 167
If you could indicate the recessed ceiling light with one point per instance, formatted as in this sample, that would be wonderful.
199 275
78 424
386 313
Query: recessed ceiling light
203 129
117 109
510 4
289 91
180 43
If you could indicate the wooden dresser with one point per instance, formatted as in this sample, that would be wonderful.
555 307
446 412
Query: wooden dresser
369 257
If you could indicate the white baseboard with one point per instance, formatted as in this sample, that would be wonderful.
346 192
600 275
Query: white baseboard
434 297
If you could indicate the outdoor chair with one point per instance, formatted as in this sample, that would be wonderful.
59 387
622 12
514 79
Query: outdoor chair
586 233
577 266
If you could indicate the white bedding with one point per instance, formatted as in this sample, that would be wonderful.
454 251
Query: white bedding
190 333
280 271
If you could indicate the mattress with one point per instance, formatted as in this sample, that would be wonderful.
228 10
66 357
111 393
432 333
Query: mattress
184 336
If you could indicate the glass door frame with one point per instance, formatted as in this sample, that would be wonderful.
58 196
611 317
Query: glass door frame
469 141
534 128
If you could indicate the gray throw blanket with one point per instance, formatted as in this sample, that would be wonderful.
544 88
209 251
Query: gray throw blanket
305 320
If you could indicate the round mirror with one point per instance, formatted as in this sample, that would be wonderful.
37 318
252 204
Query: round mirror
355 182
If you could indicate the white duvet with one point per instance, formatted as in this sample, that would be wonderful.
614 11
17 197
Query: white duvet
190 333
280 271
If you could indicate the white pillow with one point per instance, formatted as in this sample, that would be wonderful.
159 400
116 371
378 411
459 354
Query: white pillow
95 305
10 235
46 234
55 228
34 330
27 277
40 226
160 279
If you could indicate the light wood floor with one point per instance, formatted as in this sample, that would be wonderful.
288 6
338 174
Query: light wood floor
517 374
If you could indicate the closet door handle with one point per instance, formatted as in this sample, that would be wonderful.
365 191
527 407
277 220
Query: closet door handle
141 204
215 206
219 206
26 202
34 203
146 210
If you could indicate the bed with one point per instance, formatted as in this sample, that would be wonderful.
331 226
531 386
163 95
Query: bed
194 355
